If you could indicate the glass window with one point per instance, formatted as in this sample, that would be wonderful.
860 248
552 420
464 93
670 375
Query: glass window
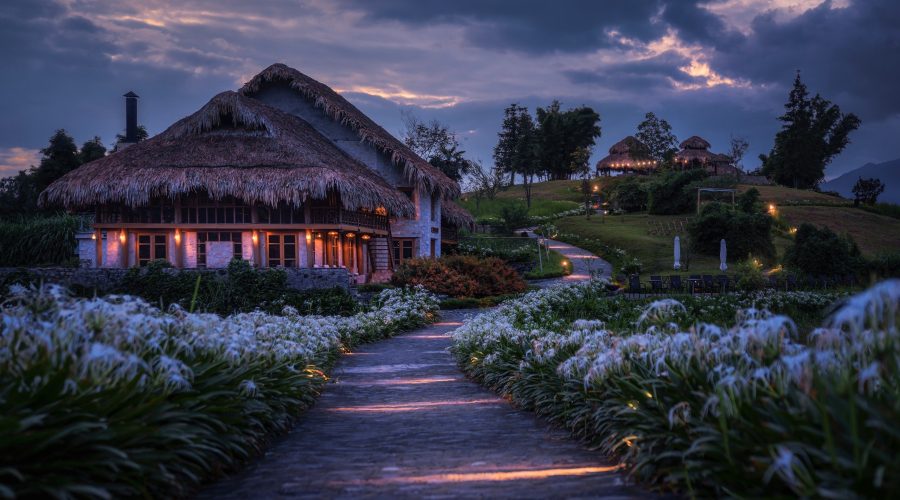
150 247
282 250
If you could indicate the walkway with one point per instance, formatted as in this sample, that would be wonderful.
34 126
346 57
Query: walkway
583 263
401 420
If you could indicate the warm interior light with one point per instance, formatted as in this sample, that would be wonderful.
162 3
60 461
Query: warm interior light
319 235
122 236
308 236
255 237
332 233
93 236
365 237
177 236
350 235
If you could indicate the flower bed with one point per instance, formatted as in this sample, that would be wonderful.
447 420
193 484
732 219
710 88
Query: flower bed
741 408
111 397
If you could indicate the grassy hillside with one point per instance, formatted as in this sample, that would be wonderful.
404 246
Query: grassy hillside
874 233
548 198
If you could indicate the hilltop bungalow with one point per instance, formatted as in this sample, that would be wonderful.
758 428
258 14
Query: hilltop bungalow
284 172
626 156
695 153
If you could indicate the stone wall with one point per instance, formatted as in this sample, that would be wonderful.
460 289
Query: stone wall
105 280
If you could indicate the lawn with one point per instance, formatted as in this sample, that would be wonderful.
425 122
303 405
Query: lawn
872 232
782 194
494 208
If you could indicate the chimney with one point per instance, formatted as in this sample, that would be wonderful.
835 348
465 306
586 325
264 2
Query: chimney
131 127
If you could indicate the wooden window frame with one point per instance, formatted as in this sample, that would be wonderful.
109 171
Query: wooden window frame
237 244
154 245
281 244
400 244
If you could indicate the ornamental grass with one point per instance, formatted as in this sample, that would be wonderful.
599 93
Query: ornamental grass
752 406
111 397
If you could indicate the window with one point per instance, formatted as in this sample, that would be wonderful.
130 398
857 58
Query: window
282 214
233 237
433 247
150 247
403 249
282 250
206 211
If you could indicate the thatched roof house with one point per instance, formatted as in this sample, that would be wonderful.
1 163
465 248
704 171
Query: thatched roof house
417 170
284 172
695 153
235 147
627 155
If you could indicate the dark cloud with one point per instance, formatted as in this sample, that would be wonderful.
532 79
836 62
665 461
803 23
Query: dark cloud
68 63
851 55
534 26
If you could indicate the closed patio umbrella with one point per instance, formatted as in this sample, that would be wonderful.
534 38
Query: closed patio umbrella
723 255
677 253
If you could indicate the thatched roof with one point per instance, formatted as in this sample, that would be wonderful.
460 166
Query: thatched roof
233 146
418 171
696 148
627 154
694 142
455 215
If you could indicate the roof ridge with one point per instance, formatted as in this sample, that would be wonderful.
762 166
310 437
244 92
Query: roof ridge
337 107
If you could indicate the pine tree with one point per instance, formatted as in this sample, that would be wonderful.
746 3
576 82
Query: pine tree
505 150
813 132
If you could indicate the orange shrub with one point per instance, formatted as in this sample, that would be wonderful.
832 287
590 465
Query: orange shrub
461 276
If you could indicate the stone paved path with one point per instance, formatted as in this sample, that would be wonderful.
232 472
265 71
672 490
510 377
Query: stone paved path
400 420
583 263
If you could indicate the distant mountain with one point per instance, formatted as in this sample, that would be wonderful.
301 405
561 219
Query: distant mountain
888 172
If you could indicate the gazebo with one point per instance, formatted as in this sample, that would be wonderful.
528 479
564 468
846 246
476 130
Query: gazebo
695 153
627 156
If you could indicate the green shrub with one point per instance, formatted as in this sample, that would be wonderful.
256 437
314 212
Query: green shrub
749 276
239 288
669 194
885 265
819 251
38 241
460 276
630 194
744 233
514 217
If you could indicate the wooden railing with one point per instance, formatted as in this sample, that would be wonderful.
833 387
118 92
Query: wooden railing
328 215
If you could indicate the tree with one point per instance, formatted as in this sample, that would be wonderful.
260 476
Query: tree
19 194
436 143
58 158
867 191
91 150
483 183
505 150
450 160
656 135
564 137
142 135
738 149
426 139
525 155
813 131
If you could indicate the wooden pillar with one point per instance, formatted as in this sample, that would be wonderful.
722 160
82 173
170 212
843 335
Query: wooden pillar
98 240
124 247
310 249
359 256
340 249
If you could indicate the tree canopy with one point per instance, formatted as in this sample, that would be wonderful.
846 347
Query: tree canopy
656 135
19 194
813 132
437 144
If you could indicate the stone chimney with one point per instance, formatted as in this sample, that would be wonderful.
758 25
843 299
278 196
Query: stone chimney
131 127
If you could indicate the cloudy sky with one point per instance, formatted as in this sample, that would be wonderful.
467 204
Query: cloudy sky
715 68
